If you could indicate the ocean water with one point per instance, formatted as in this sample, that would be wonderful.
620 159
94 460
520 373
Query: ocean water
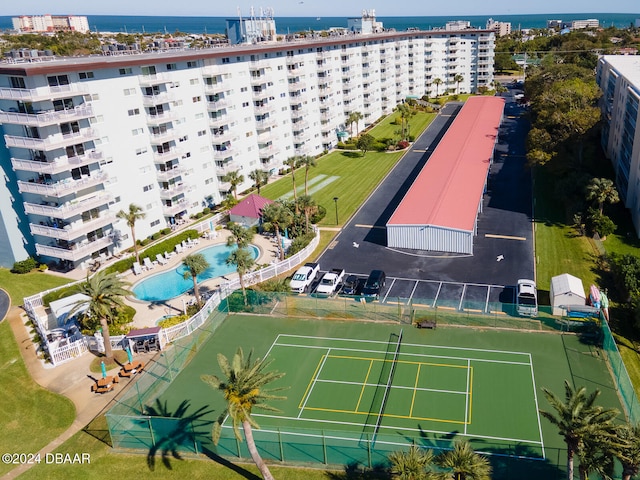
284 25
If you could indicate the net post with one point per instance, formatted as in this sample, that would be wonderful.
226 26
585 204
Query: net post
369 460
280 443
324 448
237 445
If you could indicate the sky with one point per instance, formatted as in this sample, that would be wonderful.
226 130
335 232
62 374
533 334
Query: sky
313 8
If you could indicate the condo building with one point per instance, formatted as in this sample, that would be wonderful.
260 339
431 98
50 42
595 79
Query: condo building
85 137
619 79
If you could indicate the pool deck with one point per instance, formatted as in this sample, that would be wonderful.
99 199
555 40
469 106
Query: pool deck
148 313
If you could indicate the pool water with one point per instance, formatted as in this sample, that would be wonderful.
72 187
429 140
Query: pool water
171 284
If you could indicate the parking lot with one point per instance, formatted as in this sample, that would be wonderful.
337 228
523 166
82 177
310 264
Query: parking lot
503 246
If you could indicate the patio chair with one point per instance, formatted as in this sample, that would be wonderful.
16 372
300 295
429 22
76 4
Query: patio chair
137 269
168 255
147 263
178 248
186 245
161 259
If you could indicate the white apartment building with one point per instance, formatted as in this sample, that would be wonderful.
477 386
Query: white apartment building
619 79
50 23
85 137
501 28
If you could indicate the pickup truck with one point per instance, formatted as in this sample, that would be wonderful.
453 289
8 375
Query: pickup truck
304 277
330 281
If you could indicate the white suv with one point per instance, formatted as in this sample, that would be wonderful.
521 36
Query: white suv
526 298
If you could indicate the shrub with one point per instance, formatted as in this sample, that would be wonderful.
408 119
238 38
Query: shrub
165 231
171 321
402 144
24 266
299 243
319 215
206 211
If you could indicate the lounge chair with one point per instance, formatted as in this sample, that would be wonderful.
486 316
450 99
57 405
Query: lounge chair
178 248
137 269
161 259
147 263
186 245
169 255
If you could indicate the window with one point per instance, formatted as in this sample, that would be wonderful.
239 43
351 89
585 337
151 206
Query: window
194 81
208 181
134 111
183 139
202 133
192 64
148 70
141 151
17 82
197 99
172 66
64 104
137 131
58 80
129 91
125 71
245 104
155 223
147 188
225 60
85 75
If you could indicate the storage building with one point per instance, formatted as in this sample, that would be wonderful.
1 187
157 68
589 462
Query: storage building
566 290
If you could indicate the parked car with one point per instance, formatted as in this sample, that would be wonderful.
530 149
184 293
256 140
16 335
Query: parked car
352 285
304 277
374 284
330 281
526 298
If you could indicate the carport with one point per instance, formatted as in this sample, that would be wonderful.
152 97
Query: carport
440 210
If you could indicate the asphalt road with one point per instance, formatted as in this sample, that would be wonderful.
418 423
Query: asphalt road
5 303
503 247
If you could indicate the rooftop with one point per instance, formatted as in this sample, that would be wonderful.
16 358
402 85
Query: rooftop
626 65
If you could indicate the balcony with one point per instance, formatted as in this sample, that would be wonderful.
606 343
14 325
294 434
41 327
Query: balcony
69 209
174 190
227 167
63 187
166 155
161 118
157 99
268 151
73 230
222 154
164 136
268 122
259 81
175 208
166 175
42 119
219 104
263 109
154 79
300 124
76 251
43 93
52 142
58 165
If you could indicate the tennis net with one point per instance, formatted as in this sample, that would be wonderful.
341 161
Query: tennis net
387 389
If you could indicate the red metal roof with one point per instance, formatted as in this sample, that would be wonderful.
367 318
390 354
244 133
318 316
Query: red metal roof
449 188
250 207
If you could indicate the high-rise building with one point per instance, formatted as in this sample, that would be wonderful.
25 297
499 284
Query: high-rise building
50 23
619 79
501 28
86 137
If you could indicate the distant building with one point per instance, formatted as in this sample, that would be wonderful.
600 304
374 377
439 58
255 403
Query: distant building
501 28
580 24
50 23
619 79
457 25
637 22
365 24
252 30
554 23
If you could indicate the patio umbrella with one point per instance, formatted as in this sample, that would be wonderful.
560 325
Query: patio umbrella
104 370
129 355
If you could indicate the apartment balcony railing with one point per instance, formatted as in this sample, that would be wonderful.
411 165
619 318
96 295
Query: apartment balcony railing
69 209
63 187
227 168
175 208
267 122
165 175
52 142
219 104
73 230
166 155
267 151
158 99
161 118
164 136
222 154
43 93
154 79
173 190
294 86
42 119
264 109
58 165
76 251
300 125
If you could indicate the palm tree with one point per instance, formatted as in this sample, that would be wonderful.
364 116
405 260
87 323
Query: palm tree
458 78
307 161
134 214
235 179
240 236
243 386
355 117
293 163
578 419
597 455
411 465
463 463
628 452
602 190
308 206
259 177
437 82
404 110
195 264
277 217
104 294
244 262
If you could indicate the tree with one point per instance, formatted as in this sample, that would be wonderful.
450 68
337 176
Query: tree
293 162
596 456
104 294
437 82
504 61
134 214
354 117
406 112
365 143
243 386
602 190
240 236
308 206
307 161
277 217
463 463
260 178
195 264
234 178
579 419
458 79
411 465
628 450
244 262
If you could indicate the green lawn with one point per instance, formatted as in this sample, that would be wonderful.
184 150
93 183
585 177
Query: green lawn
20 286
386 129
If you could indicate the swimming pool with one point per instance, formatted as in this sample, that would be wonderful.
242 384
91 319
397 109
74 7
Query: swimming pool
171 284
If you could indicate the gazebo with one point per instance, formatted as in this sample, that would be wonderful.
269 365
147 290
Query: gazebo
249 211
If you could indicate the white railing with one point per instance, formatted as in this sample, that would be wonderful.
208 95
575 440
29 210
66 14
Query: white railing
60 355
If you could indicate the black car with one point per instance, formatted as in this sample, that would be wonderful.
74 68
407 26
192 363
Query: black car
374 284
352 285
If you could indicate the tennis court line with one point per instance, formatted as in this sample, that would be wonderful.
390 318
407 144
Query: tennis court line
313 382
467 405
399 387
390 415
415 390
535 396
399 361
364 385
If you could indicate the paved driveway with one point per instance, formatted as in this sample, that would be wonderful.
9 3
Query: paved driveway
503 248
